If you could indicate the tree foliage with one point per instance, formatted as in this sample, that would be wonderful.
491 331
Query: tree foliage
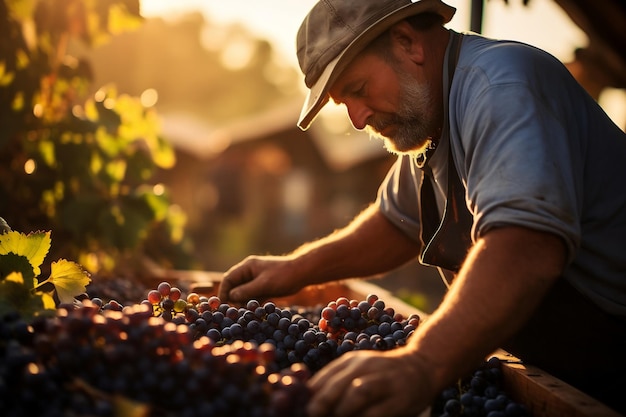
75 164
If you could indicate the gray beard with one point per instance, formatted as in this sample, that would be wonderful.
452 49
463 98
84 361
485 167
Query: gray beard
413 120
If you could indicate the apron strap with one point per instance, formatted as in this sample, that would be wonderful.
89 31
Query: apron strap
446 241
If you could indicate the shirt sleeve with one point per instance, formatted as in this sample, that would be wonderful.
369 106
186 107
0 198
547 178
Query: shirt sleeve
520 162
398 197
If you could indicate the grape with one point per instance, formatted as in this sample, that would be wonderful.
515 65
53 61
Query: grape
342 301
269 307
371 298
164 288
193 298
175 294
453 407
154 297
253 305
480 394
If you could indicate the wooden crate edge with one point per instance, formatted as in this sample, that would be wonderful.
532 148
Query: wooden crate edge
546 395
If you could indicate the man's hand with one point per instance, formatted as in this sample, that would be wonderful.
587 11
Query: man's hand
259 277
371 384
354 251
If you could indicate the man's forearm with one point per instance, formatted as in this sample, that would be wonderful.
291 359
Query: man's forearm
505 277
369 245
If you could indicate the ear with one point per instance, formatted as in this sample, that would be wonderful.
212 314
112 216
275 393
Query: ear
406 42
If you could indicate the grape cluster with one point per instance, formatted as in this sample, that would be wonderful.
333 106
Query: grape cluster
194 355
166 301
367 324
294 337
85 360
481 394
299 336
27 387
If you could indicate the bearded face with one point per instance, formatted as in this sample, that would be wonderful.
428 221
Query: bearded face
410 129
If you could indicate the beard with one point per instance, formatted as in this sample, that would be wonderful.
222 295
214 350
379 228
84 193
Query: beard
414 121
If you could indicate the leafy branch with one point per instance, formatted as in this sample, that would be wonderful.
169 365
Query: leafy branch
21 257
74 162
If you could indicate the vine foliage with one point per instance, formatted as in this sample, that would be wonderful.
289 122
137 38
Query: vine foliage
76 163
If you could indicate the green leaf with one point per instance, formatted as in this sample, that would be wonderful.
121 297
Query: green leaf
163 153
158 203
47 300
34 246
12 263
15 277
15 296
69 279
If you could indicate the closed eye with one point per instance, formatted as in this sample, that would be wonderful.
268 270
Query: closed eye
350 90
358 91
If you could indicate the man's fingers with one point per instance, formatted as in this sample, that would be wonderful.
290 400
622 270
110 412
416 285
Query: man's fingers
232 279
360 394
243 292
329 392
329 387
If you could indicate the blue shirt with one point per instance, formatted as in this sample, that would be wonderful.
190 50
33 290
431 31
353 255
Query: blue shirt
532 149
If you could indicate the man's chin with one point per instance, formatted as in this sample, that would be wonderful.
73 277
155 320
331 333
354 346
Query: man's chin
392 145
415 150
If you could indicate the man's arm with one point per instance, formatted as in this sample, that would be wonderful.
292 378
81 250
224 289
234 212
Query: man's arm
369 245
504 278
502 281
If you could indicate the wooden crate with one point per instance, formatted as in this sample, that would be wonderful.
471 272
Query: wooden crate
542 393
546 395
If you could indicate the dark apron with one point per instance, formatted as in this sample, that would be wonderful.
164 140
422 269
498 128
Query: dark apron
446 241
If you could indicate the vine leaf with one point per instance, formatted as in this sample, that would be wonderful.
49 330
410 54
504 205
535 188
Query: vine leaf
69 280
34 246
15 295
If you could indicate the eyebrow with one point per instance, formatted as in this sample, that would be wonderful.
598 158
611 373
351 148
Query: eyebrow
346 90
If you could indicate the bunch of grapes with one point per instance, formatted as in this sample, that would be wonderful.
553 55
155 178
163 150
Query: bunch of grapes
97 357
30 388
166 301
342 325
367 324
481 394
295 338
194 355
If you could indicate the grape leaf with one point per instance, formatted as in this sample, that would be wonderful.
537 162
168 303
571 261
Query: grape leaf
16 296
47 299
15 277
69 279
34 246
10 263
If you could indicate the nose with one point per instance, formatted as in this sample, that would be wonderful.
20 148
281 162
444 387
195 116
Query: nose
358 113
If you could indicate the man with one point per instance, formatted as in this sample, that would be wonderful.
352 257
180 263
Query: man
509 178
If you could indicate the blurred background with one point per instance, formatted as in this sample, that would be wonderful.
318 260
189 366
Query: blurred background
161 135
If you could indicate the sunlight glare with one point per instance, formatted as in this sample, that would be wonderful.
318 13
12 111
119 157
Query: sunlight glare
237 53
30 166
149 97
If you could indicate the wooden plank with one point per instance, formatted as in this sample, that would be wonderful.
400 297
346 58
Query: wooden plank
546 395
